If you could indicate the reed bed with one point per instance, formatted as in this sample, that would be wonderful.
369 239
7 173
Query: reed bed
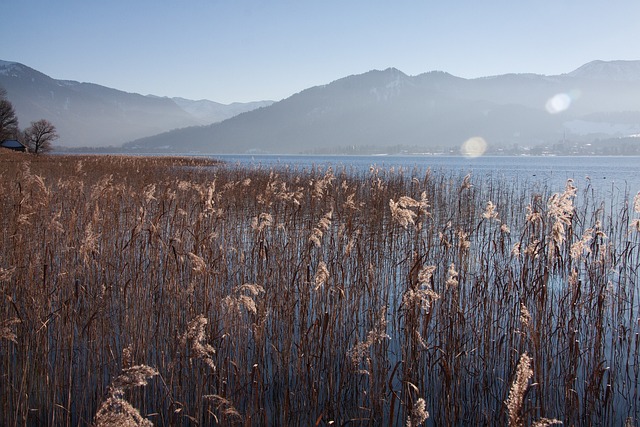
139 291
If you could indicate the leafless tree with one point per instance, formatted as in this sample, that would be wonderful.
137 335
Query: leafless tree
8 119
39 136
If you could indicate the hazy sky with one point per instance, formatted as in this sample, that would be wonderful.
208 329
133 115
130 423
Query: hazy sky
238 50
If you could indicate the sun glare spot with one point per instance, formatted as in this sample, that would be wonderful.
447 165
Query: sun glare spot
558 103
474 147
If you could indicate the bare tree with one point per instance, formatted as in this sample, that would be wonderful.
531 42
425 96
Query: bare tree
8 119
39 136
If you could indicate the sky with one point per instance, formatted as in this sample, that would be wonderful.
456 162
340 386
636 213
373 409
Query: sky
250 50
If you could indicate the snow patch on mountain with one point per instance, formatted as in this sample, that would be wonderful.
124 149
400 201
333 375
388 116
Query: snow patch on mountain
395 81
8 68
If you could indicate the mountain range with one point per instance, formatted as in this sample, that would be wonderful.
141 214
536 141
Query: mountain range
380 111
90 115
386 110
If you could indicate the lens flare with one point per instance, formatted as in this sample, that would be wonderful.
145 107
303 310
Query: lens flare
474 147
558 103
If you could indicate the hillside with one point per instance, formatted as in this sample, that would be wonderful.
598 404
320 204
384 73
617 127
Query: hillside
91 115
377 111
430 112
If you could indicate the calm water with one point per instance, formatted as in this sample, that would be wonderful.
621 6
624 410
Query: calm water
607 175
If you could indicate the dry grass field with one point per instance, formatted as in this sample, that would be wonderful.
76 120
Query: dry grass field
176 292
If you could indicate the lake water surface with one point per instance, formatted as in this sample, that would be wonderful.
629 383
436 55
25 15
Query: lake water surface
607 175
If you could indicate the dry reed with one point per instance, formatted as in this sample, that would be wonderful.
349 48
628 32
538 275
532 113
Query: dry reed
310 297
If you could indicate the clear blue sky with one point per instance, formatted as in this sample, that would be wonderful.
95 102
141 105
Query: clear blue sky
242 50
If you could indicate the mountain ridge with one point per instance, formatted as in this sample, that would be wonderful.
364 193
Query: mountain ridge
620 70
208 112
92 115
433 110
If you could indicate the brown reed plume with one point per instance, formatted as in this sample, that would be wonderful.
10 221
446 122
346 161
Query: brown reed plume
115 410
519 387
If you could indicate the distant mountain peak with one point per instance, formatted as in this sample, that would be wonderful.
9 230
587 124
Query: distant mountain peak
609 70
6 67
394 71
208 112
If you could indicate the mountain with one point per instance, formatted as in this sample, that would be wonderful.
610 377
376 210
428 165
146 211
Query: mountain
377 111
89 115
434 111
609 70
207 112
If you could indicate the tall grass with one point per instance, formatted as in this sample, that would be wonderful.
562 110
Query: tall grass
305 297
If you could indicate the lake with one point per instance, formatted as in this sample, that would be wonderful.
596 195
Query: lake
607 175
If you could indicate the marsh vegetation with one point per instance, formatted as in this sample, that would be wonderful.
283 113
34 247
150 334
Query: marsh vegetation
174 292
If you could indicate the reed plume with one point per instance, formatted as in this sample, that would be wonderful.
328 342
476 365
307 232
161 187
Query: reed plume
115 410
195 341
519 387
418 414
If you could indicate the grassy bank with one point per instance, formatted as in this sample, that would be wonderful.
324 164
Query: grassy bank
258 297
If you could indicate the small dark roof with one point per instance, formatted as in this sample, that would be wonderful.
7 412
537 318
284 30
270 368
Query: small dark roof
11 143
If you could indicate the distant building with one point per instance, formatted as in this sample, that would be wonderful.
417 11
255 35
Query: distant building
13 144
